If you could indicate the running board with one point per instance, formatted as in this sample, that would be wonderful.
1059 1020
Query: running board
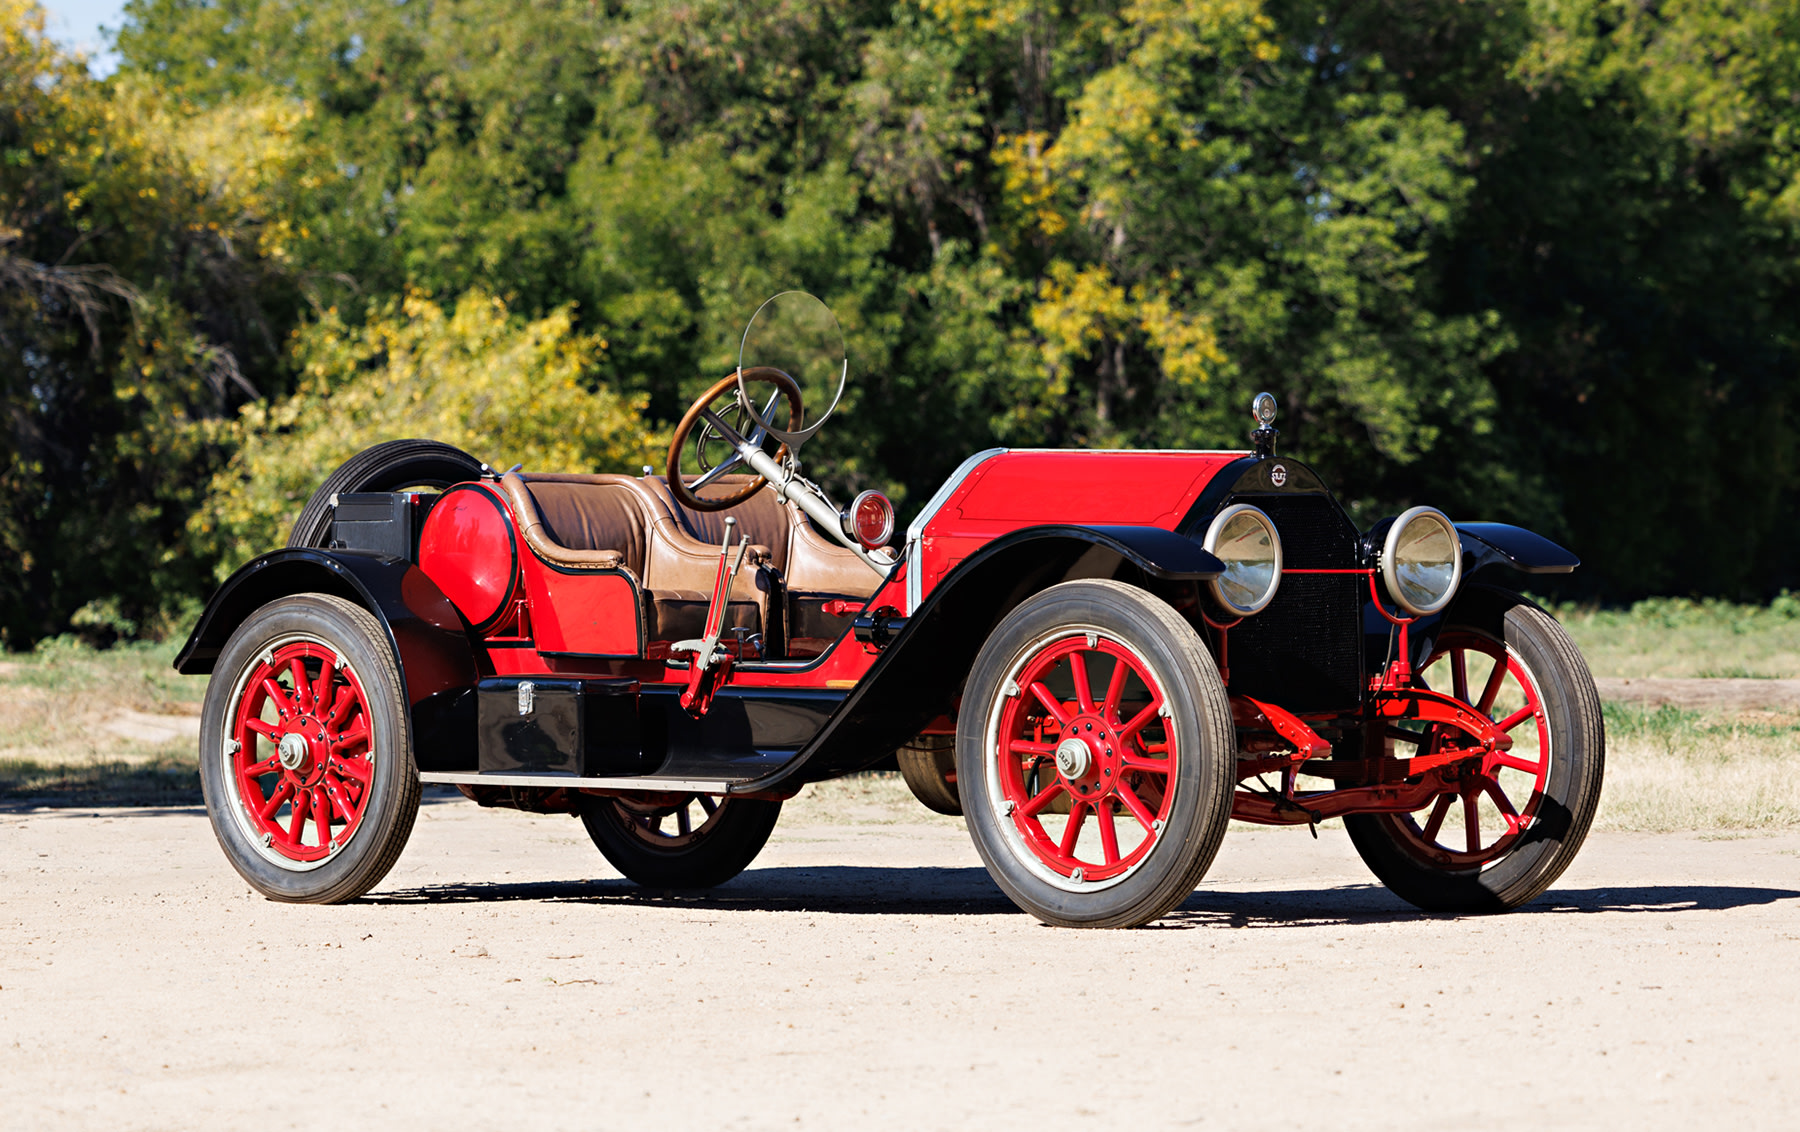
569 781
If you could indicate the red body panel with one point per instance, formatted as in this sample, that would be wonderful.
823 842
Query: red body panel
1014 490
588 623
589 612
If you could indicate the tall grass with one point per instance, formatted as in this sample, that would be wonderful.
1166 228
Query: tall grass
1680 637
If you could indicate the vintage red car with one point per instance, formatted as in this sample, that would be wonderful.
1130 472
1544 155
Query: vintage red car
1099 657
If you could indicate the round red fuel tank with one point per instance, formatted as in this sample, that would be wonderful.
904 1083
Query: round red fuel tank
468 548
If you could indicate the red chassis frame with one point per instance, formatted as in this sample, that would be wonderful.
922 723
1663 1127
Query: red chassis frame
1454 738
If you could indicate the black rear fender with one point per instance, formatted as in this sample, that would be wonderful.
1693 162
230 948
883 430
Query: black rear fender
427 634
919 676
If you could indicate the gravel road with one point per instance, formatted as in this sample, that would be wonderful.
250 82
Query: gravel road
871 975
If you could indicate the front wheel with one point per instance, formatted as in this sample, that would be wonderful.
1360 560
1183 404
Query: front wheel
305 752
1094 756
679 840
1508 827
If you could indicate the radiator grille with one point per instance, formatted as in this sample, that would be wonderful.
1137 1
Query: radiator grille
1315 535
1304 652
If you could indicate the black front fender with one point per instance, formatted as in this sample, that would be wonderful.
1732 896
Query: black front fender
424 629
918 676
1501 544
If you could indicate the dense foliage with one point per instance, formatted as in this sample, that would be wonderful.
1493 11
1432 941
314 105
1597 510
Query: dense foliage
1526 260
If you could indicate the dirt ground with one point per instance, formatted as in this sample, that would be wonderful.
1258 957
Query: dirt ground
871 975
1701 694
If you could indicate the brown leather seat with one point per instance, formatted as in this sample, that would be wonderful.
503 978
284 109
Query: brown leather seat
635 524
814 570
604 522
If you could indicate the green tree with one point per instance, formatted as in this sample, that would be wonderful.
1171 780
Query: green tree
1524 260
141 296
512 391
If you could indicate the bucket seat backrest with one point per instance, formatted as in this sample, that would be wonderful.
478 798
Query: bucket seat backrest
762 518
614 521
594 516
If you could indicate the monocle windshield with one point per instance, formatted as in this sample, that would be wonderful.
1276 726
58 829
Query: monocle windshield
796 333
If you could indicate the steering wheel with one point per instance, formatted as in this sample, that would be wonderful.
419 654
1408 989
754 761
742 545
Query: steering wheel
705 434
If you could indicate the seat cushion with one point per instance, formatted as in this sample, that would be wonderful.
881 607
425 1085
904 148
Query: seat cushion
680 615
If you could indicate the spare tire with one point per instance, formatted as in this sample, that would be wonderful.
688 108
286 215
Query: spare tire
392 466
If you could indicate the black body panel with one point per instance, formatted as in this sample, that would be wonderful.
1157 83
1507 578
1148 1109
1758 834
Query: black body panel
1158 553
529 725
428 636
384 522
747 733
546 725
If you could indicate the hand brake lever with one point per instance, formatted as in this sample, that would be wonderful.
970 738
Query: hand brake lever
710 663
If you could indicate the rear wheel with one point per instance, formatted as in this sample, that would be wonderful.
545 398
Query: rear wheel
1513 820
1094 756
679 840
928 764
392 466
305 752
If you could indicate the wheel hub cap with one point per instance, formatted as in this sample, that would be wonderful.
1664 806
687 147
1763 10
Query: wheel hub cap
292 750
1074 759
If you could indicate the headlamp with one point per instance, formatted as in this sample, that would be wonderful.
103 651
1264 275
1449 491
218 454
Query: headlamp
1421 562
1244 538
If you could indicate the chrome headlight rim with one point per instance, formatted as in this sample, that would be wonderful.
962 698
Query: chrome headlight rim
1210 545
1390 576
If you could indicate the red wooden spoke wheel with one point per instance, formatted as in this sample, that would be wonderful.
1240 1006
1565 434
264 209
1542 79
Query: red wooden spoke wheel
300 751
1494 801
1094 755
1084 749
1507 823
306 751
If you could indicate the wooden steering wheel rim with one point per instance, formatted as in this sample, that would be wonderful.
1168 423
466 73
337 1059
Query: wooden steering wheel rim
766 374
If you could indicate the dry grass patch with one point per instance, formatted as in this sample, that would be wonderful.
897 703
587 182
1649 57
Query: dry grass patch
1669 770
98 726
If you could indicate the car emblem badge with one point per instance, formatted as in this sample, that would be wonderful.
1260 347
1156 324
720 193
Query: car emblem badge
1278 475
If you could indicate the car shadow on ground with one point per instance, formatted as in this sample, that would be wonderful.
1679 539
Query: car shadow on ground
845 889
927 891
1373 904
